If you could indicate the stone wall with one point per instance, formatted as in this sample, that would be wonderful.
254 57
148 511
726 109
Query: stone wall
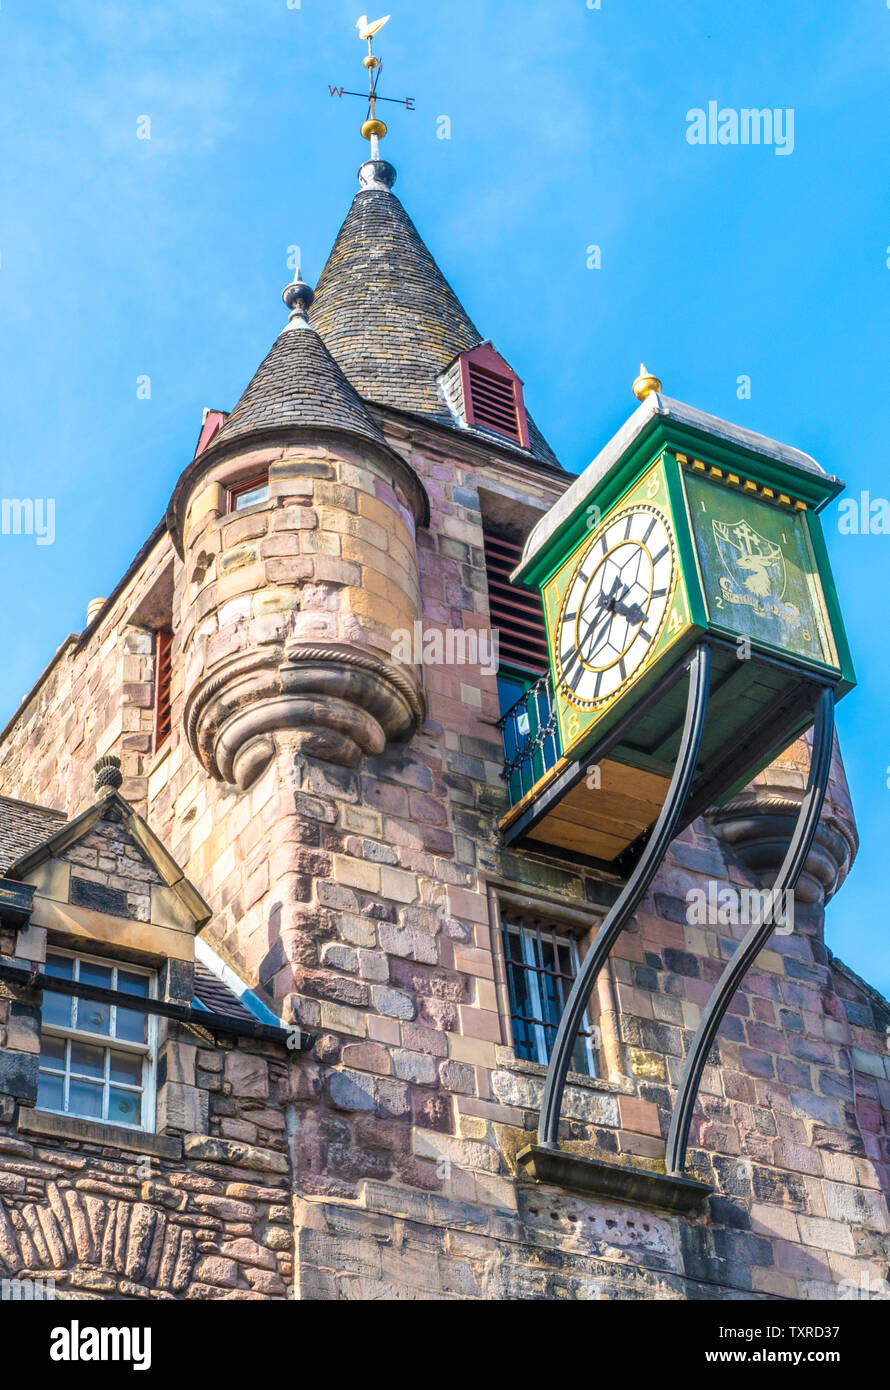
364 901
95 697
178 1215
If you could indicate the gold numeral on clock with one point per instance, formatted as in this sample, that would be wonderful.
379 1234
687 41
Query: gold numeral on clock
652 489
573 725
676 622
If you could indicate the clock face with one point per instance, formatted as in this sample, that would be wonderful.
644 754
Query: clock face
615 605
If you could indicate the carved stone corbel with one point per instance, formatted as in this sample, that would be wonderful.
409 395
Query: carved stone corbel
344 703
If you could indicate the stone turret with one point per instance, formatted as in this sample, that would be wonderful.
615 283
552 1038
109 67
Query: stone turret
289 605
758 823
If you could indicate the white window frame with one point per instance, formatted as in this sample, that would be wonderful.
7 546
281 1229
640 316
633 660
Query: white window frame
108 1042
527 939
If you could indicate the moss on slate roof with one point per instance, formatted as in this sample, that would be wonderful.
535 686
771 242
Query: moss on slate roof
298 383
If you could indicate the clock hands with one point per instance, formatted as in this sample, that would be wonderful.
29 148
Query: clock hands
605 636
602 600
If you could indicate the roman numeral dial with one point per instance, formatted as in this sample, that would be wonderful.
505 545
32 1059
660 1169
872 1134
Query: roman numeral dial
615 605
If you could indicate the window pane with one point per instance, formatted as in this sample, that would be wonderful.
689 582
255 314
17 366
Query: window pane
88 1061
93 1017
131 1026
550 1001
85 1098
85 1077
524 1040
126 1068
130 983
540 968
50 1095
60 966
92 974
52 1052
124 1108
57 1009
247 499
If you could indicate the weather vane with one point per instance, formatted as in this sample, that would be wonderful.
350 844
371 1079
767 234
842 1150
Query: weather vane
373 129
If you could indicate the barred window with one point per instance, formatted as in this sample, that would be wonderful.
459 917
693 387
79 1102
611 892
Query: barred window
541 964
97 1058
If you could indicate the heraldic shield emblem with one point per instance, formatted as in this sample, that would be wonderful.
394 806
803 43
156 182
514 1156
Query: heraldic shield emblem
754 563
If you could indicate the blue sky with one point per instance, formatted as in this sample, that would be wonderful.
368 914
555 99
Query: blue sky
165 257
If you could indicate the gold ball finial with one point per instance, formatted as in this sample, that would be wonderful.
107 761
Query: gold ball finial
372 128
371 62
646 384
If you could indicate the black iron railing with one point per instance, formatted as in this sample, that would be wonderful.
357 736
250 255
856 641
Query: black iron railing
531 739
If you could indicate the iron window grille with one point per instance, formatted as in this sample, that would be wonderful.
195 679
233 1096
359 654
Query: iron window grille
530 734
541 964
97 1060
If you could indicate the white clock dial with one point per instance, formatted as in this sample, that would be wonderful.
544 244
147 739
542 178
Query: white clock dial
615 605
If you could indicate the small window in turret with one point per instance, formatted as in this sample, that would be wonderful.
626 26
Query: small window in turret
248 494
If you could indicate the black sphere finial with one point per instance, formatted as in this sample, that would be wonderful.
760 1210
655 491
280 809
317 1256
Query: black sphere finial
298 296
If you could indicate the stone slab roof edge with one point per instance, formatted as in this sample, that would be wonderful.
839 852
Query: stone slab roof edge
868 990
78 640
654 408
153 849
489 439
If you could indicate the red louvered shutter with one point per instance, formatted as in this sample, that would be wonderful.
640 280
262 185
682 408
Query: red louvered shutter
492 394
494 402
515 613
163 670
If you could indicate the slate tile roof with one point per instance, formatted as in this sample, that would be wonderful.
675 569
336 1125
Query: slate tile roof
217 997
385 309
298 383
23 827
389 316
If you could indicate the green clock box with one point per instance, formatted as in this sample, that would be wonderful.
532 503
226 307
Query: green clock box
684 529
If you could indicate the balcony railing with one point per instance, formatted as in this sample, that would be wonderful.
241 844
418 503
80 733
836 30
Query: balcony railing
531 739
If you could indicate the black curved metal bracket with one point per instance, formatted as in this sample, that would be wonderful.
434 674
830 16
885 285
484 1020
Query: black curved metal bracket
754 942
629 898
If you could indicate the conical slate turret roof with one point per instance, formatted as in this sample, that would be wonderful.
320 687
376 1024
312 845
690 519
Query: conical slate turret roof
298 383
383 306
387 313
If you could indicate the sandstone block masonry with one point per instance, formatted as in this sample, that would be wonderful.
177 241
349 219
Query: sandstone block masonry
365 901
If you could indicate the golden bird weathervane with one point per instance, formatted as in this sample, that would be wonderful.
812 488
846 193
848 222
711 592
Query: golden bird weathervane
373 128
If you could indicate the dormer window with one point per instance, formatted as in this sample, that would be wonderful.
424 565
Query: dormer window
97 1057
492 395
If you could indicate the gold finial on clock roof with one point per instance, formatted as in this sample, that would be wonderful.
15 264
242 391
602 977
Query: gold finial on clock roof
646 384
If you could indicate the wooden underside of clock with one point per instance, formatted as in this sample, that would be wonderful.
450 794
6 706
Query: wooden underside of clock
757 708
605 820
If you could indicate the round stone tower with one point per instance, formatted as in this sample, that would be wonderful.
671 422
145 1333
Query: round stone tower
296 527
760 820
